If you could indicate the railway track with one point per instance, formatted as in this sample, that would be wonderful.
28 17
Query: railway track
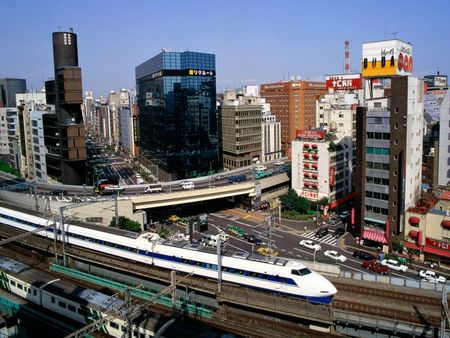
400 304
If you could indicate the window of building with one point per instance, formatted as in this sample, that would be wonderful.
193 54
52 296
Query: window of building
377 104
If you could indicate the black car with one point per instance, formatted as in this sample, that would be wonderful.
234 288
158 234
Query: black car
365 256
339 232
58 192
322 232
252 239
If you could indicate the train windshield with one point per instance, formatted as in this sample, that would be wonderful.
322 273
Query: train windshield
301 272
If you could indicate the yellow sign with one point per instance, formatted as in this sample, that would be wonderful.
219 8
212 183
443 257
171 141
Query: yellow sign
386 58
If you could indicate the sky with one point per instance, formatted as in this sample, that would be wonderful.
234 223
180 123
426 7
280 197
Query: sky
255 41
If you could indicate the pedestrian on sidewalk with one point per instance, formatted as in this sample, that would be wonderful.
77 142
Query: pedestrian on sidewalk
305 228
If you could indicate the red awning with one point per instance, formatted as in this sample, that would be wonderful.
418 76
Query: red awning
314 145
315 175
306 155
314 165
413 233
306 165
411 245
414 220
305 145
306 174
436 251
315 155
445 224
374 235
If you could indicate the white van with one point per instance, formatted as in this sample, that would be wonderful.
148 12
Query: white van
211 240
188 185
151 188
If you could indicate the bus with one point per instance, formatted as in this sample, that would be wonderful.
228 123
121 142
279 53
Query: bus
108 189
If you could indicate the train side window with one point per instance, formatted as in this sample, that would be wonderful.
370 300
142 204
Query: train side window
34 292
62 304
13 283
71 308
114 325
20 286
53 300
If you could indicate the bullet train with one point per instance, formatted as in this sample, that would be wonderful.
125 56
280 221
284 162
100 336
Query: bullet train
274 274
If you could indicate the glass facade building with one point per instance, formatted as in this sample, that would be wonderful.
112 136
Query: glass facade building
177 113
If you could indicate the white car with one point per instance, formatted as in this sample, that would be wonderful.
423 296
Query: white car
307 243
335 255
432 276
279 162
261 168
394 265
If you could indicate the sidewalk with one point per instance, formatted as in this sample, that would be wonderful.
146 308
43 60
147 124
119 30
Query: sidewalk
348 242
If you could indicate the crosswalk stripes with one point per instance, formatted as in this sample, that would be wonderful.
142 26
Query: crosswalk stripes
328 239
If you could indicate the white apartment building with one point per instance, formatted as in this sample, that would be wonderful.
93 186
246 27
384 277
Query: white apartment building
444 141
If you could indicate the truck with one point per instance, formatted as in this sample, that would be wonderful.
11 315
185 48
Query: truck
108 189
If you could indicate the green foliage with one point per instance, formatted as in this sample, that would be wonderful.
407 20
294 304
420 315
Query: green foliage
324 201
164 233
292 202
8 169
332 147
126 224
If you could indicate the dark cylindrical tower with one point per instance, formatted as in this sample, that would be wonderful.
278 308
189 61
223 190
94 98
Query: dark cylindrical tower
65 49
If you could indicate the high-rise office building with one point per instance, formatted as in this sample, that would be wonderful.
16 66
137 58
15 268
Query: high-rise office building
64 132
241 122
294 105
389 141
177 113
8 90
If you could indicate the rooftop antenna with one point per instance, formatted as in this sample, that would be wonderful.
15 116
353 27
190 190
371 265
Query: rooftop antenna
395 34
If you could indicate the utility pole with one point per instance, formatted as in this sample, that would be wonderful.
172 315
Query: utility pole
116 210
63 235
35 195
219 264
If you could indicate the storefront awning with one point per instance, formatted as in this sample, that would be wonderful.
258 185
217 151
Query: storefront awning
373 220
436 251
446 223
411 245
314 145
414 220
305 145
374 235
413 233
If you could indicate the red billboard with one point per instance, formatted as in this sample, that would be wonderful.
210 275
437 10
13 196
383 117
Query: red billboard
344 82
307 134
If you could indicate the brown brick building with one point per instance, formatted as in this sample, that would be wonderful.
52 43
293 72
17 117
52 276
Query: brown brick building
294 104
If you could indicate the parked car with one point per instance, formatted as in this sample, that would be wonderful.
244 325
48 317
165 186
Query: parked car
339 232
219 177
279 162
252 239
307 243
394 265
237 178
322 232
365 256
375 267
335 255
344 214
261 168
432 276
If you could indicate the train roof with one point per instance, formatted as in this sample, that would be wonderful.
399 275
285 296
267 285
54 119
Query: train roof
59 286
227 252
107 229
